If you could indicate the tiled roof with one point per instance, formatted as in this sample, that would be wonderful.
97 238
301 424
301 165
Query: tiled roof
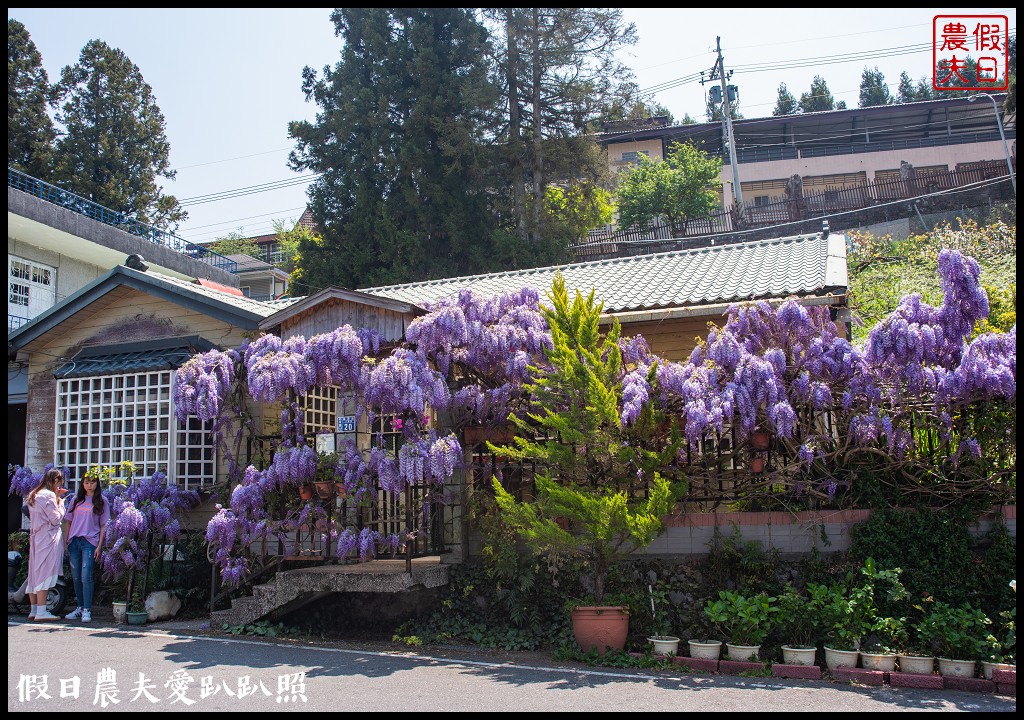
166 354
240 301
799 265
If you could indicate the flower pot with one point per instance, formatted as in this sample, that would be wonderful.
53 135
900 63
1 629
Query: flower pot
743 652
120 612
886 662
339 488
918 664
563 522
759 439
665 644
840 658
137 618
757 464
306 492
956 668
601 627
324 488
705 650
798 655
988 667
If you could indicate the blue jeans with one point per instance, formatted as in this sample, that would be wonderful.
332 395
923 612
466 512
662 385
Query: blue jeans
81 553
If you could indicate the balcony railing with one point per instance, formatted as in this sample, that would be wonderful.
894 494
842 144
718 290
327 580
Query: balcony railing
656 237
789 152
83 206
15 321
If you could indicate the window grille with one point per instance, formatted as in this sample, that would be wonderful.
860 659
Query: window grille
106 420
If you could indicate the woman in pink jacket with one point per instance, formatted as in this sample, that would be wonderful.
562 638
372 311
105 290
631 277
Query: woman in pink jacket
46 548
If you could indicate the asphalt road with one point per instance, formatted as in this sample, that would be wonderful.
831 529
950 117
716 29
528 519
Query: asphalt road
157 670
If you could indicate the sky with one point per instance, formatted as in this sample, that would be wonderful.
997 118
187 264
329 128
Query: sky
229 81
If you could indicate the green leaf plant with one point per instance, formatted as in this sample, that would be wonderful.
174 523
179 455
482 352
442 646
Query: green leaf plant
602 480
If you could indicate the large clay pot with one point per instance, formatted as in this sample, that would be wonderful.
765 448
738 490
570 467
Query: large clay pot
601 627
798 655
306 492
121 612
759 439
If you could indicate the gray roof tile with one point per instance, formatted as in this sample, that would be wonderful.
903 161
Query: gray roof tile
781 267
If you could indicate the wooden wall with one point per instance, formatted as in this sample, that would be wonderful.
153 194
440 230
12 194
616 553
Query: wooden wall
123 315
334 313
673 339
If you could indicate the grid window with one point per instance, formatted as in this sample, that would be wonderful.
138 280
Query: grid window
320 405
110 419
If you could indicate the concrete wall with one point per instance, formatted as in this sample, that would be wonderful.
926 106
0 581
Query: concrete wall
72 273
791 533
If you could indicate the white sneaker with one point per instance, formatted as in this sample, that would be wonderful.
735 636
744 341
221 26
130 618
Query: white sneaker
74 615
44 615
86 616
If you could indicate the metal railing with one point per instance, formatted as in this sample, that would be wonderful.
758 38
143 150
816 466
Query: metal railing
83 206
659 236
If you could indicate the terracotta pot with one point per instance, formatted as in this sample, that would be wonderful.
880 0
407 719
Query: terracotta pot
339 488
757 464
324 488
499 435
306 492
759 439
602 627
563 522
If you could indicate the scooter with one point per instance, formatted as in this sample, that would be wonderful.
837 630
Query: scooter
56 599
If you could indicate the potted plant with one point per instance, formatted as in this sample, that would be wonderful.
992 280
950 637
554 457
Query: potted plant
746 621
842 623
664 642
797 626
595 467
326 475
1001 650
956 635
136 612
885 637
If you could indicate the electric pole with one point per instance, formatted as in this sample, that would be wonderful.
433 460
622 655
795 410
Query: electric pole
718 73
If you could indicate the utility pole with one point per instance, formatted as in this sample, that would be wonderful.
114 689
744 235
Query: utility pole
718 73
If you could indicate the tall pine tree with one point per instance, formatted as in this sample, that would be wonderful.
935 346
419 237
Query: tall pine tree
786 103
400 145
112 147
819 98
873 89
30 132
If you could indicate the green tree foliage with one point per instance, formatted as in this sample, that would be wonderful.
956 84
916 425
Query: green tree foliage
112 147
289 242
909 92
786 103
399 142
595 467
629 104
963 74
819 98
559 70
873 88
682 187
30 132
571 211
236 243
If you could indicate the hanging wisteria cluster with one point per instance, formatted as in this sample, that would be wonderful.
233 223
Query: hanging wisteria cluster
786 369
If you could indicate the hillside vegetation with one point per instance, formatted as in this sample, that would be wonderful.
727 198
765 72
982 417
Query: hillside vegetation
883 270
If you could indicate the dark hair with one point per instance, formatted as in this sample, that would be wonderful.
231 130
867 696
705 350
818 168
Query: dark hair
97 496
51 478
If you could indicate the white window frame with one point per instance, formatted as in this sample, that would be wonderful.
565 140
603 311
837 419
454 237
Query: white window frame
31 290
106 419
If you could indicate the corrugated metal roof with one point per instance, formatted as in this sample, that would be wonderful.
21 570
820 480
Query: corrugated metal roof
798 265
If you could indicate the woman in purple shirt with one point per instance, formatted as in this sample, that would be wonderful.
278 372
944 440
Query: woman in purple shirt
87 517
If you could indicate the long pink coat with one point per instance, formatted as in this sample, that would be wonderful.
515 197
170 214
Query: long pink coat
46 551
